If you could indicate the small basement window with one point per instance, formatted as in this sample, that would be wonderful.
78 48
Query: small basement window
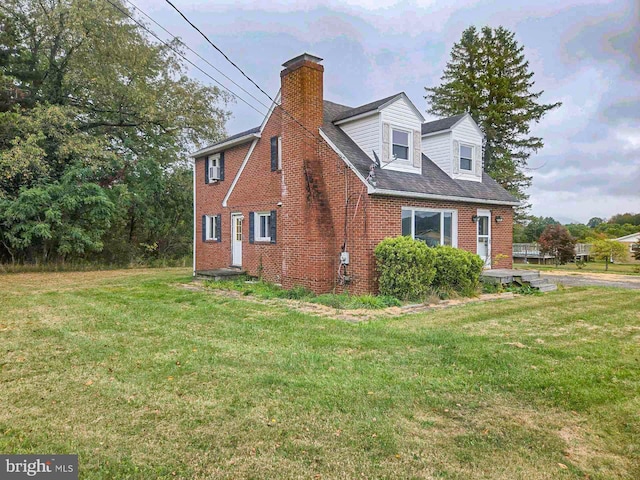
466 157
263 227
400 140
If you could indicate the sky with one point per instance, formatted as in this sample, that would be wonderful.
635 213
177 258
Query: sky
585 54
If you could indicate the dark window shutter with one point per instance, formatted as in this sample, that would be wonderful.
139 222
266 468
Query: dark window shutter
206 169
251 236
274 154
219 228
221 166
204 228
272 226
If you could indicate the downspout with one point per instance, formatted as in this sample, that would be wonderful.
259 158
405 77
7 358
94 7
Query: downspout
194 217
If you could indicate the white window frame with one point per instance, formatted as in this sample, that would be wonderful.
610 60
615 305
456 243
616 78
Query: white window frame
211 227
279 153
460 157
257 225
213 166
454 222
408 161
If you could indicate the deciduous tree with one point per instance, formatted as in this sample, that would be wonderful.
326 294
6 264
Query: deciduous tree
557 241
609 251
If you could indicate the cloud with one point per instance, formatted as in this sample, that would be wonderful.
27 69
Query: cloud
584 53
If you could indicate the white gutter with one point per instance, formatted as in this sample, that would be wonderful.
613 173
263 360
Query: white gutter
195 224
240 170
224 145
430 196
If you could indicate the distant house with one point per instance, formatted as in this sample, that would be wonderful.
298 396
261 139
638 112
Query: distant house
304 198
632 242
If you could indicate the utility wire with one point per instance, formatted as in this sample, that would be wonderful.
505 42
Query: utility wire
174 37
177 52
238 68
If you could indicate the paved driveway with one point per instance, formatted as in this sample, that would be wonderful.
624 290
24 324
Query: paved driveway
593 280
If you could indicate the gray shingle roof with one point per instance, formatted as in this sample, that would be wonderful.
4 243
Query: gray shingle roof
237 135
442 124
352 112
433 180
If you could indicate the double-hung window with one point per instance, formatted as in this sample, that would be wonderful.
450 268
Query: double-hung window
213 166
466 158
432 226
400 145
263 227
211 227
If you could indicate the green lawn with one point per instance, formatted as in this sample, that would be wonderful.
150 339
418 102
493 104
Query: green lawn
589 267
145 379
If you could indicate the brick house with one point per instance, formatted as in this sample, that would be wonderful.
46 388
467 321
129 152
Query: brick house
305 198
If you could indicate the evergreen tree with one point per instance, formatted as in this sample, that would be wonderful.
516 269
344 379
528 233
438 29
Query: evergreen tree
489 77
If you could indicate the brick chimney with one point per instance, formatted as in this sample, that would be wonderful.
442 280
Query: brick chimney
307 231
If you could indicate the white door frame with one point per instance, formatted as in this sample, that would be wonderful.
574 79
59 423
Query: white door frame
236 244
484 213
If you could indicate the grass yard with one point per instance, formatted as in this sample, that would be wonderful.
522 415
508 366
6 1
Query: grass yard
145 379
589 267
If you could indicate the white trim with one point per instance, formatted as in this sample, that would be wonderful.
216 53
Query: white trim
454 221
224 145
481 212
429 196
344 158
195 220
235 179
256 225
234 216
357 117
463 171
445 130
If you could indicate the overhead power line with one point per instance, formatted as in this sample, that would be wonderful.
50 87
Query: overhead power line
177 52
174 37
238 68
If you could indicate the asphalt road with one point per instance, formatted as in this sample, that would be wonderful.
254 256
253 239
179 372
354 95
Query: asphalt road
597 280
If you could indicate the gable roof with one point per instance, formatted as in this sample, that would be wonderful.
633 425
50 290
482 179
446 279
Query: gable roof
376 106
442 124
231 141
629 238
432 183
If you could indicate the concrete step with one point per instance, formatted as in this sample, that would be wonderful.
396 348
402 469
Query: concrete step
549 287
538 281
230 273
526 277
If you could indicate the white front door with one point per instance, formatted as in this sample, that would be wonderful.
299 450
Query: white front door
236 239
484 236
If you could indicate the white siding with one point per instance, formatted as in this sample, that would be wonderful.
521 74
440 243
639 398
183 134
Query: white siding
438 149
401 115
466 133
366 133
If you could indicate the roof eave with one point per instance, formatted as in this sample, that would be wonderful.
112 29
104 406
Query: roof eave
357 117
224 145
430 196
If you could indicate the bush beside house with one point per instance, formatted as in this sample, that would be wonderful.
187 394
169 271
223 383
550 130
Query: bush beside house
409 269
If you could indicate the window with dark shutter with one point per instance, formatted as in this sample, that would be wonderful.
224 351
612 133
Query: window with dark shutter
274 154
204 228
221 163
206 170
218 228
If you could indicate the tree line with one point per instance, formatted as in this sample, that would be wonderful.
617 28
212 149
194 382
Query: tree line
95 124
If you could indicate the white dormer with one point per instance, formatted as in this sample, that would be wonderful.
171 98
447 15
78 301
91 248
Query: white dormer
390 128
455 145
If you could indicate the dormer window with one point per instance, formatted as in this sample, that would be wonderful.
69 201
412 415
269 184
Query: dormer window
400 140
466 158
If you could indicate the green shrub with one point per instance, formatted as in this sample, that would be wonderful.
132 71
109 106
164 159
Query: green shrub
456 270
405 267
